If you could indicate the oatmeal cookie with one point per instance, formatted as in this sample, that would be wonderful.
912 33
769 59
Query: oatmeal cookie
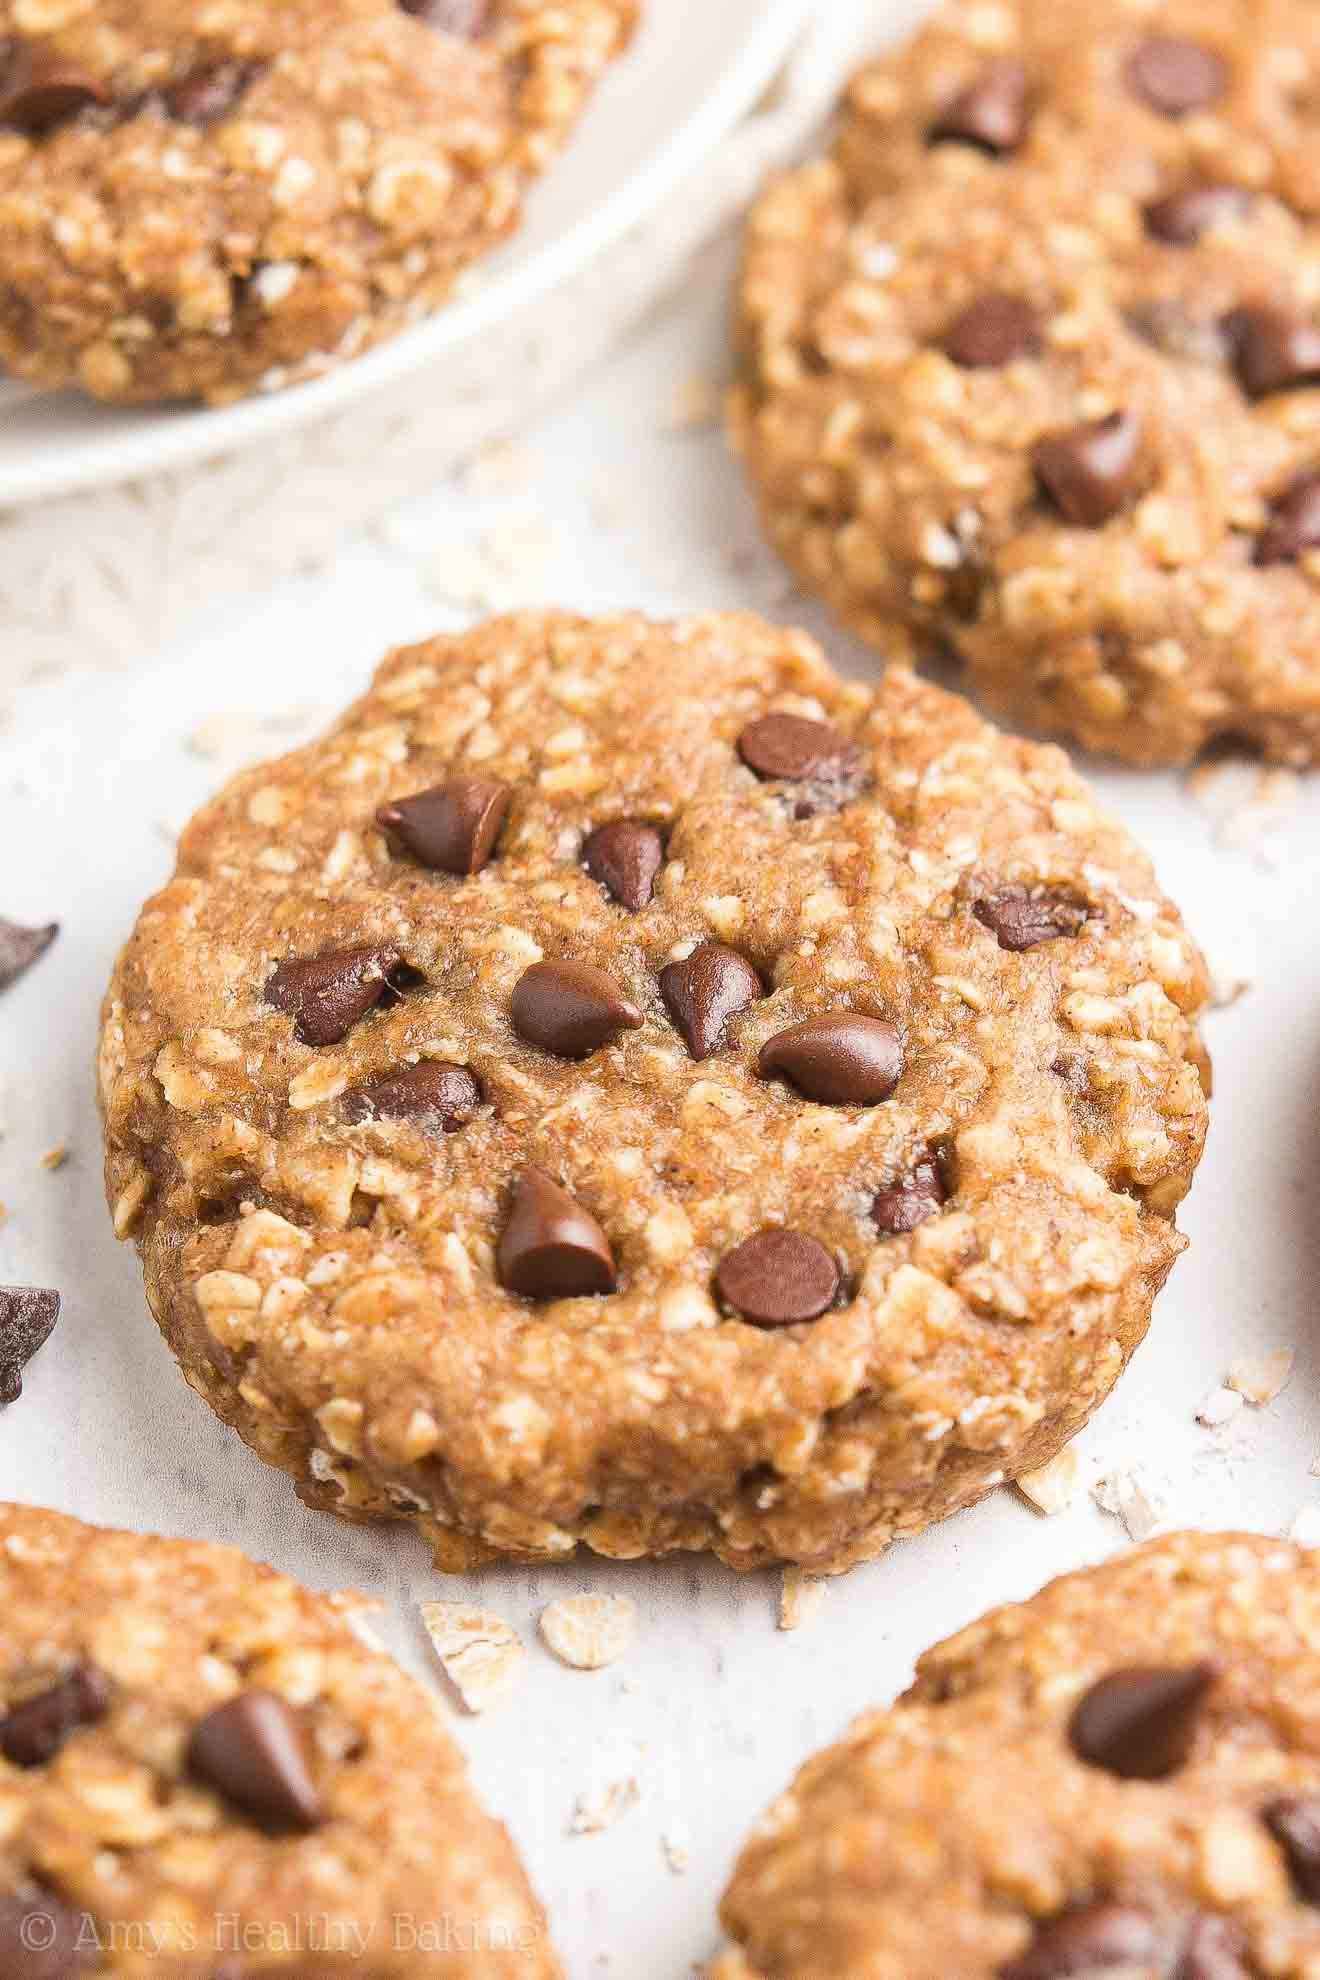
201 201
1030 366
626 1087
206 1773
1120 1777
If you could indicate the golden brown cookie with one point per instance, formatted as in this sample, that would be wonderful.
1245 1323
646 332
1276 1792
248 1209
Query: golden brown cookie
202 201
1031 358
624 1086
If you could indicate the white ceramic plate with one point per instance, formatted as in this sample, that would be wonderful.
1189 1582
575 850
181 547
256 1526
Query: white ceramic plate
696 68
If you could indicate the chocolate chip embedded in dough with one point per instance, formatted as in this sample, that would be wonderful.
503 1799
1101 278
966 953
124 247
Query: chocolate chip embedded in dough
255 1751
436 1097
466 18
840 1058
1216 1949
1294 525
1091 470
706 991
551 1248
1274 350
778 1279
451 828
794 749
1175 75
571 1009
1294 1822
625 857
992 113
1088 1940
1020 920
903 1205
208 97
992 331
1183 217
1141 1723
40 88
327 995
33 1732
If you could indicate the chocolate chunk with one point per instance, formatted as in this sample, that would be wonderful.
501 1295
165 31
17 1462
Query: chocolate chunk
452 828
552 1248
1182 217
1294 1822
840 1058
1175 76
906 1204
1294 526
20 948
211 94
255 1752
778 1279
40 88
571 1009
467 18
993 112
1019 920
1273 349
1141 1723
34 1731
27 1319
706 991
42 1938
625 858
1087 1940
1216 1949
1090 470
327 995
992 331
437 1098
791 749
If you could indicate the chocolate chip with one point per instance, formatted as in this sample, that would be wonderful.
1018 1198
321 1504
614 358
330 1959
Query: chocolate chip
27 1319
705 992
1273 349
904 1205
1170 327
210 95
1020 920
1182 217
625 858
42 1938
992 331
1294 1822
40 88
778 1279
1294 525
1176 76
468 18
1141 1723
571 1009
255 1752
1090 470
1216 1949
34 1731
552 1248
452 828
840 1058
437 1098
1088 1940
327 995
993 112
791 749
20 948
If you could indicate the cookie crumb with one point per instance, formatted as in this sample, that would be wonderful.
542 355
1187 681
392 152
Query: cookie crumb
1053 1486
479 1653
800 1597
600 1809
1305 1529
676 1850
55 1158
1132 1499
587 1632
1219 1407
1260 1378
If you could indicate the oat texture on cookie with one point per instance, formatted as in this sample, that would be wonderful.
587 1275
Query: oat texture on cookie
1031 366
203 201
625 1087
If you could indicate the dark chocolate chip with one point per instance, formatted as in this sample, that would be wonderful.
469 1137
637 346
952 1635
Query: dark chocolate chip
211 94
1090 471
905 1204
34 1731
551 1248
1020 920
27 1319
992 331
256 1753
452 828
993 112
1088 1940
1216 1949
42 1938
571 1009
1294 525
40 88
327 995
1274 350
840 1058
792 749
706 991
1141 1723
1175 76
437 1098
625 857
467 18
778 1279
1181 218
1294 1822
20 948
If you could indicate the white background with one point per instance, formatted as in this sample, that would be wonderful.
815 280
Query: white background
713 1707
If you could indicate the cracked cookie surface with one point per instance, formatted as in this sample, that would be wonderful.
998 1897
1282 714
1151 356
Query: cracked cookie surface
1031 364
776 1180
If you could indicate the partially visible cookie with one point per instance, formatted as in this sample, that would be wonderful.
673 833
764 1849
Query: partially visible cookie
624 1086
206 1773
1031 358
1120 1777
205 201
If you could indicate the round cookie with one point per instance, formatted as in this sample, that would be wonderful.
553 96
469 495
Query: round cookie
1120 1777
203 202
1030 366
626 1087
207 1774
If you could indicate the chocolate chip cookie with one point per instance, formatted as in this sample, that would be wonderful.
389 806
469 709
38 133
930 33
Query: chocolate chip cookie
1119 1777
208 201
206 1773
1031 366
626 1087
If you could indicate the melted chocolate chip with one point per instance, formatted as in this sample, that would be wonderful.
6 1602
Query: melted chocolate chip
209 96
21 947
40 88
465 18
255 1752
1090 471
778 1279
551 1248
1294 525
1087 1940
1181 218
451 828
1020 920
1141 1723
42 1938
1274 350
905 1204
839 1058
792 749
625 857
327 995
27 1319
1175 76
991 332
34 1731
993 113
571 1009
1294 1822
706 991
436 1098
1216 1949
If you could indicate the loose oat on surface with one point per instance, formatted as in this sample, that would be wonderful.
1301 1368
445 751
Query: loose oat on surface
588 1632
482 1655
